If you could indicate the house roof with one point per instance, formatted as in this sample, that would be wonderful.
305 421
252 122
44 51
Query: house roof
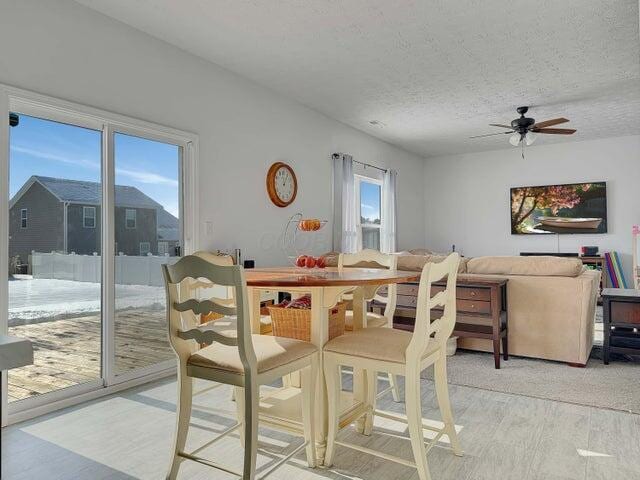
79 191
89 193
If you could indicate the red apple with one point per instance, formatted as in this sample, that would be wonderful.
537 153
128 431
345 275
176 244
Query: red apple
310 262
301 261
321 262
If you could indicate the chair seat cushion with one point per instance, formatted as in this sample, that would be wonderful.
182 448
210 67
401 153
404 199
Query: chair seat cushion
385 344
373 320
271 352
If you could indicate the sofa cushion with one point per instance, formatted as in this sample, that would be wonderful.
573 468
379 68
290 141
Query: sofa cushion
536 266
416 263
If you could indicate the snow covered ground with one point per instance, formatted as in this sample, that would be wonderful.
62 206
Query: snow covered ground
36 300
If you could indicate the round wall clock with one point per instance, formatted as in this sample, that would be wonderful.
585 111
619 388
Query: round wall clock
282 185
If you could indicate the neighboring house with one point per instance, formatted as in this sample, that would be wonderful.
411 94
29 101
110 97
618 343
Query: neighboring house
56 214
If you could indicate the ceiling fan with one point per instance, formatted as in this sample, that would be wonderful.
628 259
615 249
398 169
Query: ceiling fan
524 130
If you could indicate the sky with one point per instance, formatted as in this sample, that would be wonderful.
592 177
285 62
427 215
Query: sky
370 200
43 147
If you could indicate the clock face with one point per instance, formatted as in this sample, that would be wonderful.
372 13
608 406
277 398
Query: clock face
282 185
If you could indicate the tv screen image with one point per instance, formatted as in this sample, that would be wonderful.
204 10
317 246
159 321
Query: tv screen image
568 208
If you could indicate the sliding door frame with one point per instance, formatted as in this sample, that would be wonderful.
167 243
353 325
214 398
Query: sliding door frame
42 106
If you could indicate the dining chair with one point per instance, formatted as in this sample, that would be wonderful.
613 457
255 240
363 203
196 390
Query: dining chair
240 359
376 259
401 353
227 323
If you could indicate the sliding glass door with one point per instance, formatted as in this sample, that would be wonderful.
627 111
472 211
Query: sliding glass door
95 207
147 233
55 267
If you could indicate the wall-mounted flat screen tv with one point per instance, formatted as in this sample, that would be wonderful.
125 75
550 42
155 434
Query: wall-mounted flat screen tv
568 208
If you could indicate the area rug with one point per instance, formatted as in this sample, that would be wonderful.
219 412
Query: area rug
615 386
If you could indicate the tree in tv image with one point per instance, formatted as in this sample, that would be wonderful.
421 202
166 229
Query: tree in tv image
570 208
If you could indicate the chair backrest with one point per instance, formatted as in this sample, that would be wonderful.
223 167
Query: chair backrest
440 329
215 259
384 260
183 308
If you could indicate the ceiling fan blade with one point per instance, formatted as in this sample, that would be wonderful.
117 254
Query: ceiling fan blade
555 131
499 125
549 123
491 134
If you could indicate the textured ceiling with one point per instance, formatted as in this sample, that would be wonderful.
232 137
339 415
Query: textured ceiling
432 73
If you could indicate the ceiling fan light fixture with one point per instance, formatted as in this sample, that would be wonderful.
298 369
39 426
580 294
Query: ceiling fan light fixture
530 138
515 139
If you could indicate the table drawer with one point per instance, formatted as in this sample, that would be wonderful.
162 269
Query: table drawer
473 306
467 293
625 312
463 306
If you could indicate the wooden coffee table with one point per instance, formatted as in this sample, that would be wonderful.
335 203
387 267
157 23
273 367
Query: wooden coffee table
481 305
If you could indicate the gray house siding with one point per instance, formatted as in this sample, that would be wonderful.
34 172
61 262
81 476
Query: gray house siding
45 219
52 203
128 239
81 240
85 241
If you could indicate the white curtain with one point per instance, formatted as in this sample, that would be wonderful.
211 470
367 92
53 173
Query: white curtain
389 213
345 234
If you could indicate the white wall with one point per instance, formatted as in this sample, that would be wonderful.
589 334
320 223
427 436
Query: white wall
467 196
62 49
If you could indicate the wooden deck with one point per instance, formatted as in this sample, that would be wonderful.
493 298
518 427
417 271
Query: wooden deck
67 352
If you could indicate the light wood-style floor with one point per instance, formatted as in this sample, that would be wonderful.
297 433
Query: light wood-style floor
504 436
67 352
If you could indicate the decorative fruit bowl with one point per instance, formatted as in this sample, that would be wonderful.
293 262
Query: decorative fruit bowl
294 245
311 224
308 261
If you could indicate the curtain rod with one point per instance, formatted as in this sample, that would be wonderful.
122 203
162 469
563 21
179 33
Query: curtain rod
364 164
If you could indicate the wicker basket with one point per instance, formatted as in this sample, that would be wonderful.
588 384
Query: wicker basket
296 322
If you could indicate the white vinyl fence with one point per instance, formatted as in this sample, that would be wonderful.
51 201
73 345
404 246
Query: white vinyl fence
130 270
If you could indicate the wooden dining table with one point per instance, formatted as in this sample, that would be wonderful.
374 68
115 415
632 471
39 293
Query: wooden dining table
326 286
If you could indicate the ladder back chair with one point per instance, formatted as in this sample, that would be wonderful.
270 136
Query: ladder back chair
240 359
401 353
227 323
375 259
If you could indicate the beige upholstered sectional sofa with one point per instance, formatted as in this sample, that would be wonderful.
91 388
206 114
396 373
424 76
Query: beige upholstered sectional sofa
551 306
551 303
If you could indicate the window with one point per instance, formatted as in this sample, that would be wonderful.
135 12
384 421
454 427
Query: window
369 215
145 248
130 218
163 248
89 217
23 218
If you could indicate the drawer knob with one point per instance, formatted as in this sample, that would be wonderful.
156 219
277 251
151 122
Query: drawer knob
473 294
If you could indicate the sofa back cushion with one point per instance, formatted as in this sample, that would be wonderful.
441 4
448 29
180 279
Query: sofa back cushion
416 263
535 266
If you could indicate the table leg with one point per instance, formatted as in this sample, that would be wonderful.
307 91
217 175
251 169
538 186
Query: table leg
254 309
606 327
319 336
505 345
359 376
496 323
